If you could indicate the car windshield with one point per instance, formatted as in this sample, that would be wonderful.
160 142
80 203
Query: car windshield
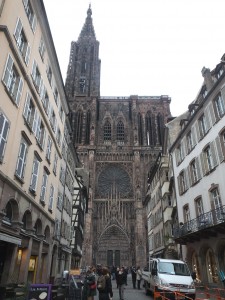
173 268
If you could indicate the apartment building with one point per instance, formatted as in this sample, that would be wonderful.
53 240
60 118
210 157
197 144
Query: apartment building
160 203
198 168
37 159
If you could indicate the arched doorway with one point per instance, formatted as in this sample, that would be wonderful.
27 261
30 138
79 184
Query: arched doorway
110 252
195 265
211 267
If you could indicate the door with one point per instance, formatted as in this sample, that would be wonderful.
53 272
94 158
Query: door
109 258
117 258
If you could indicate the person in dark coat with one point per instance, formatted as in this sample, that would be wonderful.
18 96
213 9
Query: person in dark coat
106 293
134 276
89 287
121 280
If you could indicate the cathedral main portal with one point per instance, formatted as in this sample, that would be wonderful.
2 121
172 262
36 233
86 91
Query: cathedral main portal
114 217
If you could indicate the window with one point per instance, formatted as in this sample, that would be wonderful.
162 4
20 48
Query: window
34 176
51 198
182 182
49 75
107 131
4 129
203 126
55 164
220 106
195 171
36 76
190 141
187 216
44 185
40 134
199 206
58 137
22 42
56 96
42 49
120 131
216 200
140 129
216 204
53 120
62 175
29 111
82 85
12 80
208 158
21 161
179 153
49 148
60 201
30 14
204 92
219 73
78 126
88 128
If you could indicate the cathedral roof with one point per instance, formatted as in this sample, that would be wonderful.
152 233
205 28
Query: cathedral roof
88 28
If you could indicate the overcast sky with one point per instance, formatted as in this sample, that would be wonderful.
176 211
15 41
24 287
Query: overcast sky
147 47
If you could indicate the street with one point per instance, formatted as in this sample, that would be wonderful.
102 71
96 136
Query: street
130 293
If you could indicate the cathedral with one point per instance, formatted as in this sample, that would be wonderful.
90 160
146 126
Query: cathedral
117 139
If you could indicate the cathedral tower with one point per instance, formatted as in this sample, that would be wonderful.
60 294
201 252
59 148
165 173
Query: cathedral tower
117 139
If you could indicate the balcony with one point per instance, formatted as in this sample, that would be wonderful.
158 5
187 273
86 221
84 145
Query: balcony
204 226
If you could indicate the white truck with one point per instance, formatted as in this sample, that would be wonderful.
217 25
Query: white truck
168 276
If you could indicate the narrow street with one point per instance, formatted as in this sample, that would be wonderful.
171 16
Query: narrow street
130 293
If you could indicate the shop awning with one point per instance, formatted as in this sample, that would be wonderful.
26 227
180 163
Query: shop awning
10 239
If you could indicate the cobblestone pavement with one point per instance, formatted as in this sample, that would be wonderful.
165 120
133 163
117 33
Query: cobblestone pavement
129 293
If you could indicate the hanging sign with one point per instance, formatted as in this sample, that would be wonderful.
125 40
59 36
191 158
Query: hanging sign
40 292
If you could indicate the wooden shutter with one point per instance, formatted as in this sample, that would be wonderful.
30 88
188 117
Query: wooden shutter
34 176
219 149
214 158
27 55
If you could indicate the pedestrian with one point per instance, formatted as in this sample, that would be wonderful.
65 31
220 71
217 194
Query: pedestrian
89 287
104 285
121 279
139 276
134 276
116 275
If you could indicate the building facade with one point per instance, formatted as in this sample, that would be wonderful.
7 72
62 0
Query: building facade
117 139
198 155
37 158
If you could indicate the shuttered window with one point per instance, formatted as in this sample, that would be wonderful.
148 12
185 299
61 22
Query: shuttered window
4 129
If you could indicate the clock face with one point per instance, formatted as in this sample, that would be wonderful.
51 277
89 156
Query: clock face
114 182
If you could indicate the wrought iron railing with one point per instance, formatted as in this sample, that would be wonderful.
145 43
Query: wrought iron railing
206 220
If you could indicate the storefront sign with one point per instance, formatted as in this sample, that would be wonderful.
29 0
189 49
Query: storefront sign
39 292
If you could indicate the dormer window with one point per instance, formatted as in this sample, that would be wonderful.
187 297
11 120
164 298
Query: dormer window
219 73
204 92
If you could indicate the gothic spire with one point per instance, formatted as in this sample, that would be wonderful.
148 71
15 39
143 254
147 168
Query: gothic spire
88 28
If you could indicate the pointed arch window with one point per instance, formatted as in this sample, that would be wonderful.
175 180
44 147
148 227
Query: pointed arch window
107 131
149 129
78 124
88 128
160 128
120 131
140 129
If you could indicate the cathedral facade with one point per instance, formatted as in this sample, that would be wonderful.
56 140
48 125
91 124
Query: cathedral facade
117 139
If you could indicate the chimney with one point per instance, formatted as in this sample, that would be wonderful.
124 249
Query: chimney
207 78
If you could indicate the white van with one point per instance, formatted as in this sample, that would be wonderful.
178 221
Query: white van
169 276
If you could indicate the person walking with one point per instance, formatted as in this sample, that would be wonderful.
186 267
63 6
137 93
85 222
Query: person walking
104 285
139 276
121 280
89 287
134 276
